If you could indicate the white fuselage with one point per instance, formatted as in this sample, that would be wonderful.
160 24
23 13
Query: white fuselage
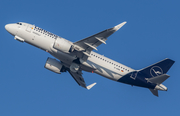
44 40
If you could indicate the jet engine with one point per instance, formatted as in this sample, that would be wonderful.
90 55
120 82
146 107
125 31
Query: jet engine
74 67
63 45
54 65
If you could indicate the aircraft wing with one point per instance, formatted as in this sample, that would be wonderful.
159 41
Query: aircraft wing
80 80
85 46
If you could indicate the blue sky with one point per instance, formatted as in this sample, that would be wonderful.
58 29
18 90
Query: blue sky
150 35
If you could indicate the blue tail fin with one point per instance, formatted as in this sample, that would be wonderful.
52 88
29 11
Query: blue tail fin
158 68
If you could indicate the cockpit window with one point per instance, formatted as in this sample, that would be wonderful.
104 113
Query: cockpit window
19 23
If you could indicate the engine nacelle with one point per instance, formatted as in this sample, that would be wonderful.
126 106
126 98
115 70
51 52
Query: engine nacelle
54 65
74 67
63 45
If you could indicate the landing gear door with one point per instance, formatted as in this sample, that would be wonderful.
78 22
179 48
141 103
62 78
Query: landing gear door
29 28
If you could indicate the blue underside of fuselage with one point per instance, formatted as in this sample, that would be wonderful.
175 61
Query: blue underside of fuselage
139 80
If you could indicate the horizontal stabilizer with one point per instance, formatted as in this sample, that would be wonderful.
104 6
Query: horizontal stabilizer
90 86
154 92
158 79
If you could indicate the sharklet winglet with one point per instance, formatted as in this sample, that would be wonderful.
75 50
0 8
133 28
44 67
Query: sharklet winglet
90 86
117 27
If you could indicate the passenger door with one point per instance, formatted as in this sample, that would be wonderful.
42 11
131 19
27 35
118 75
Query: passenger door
29 28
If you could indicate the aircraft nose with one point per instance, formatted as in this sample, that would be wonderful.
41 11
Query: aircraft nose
7 27
11 29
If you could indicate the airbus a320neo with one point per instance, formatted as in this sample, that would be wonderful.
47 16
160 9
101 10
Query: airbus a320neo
79 56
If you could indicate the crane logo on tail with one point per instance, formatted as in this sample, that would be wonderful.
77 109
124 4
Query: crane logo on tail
156 71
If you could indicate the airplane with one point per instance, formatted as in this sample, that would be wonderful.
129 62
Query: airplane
79 56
